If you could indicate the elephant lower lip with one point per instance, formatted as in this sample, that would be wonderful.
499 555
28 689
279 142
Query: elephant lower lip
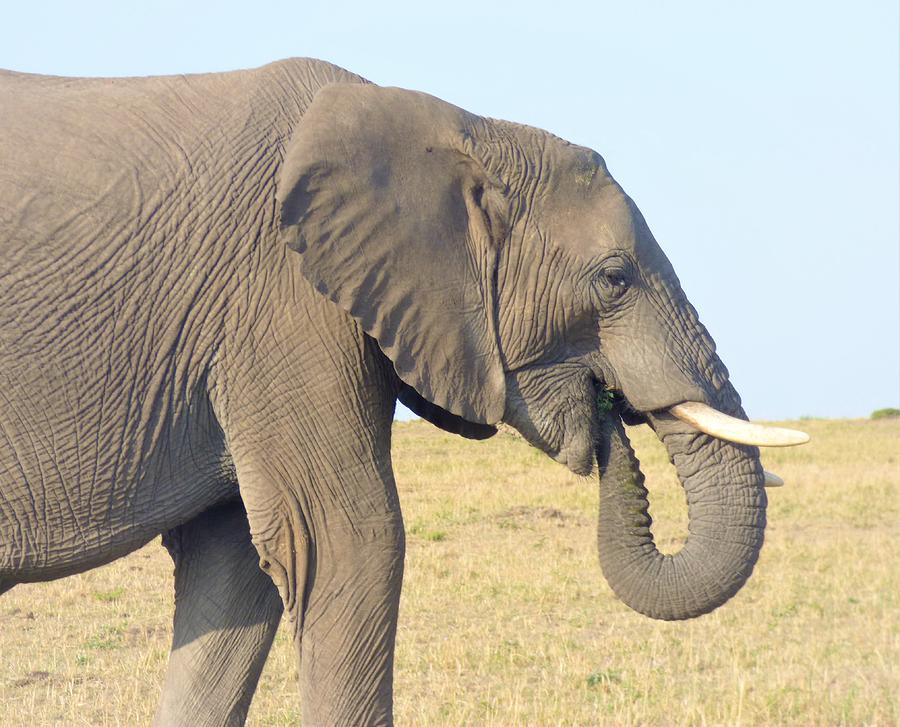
582 467
577 454
579 463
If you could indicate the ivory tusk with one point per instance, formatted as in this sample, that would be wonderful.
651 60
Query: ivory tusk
772 480
716 424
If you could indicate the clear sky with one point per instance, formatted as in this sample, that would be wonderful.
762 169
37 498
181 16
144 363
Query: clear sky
760 139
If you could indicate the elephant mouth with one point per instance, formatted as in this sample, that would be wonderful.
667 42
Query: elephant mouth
579 425
702 418
571 431
577 453
696 414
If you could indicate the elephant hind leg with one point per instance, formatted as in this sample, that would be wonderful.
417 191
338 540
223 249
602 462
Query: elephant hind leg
226 614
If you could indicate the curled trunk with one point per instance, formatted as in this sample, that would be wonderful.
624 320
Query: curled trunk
723 483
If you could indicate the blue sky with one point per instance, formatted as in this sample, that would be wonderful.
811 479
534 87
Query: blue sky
760 140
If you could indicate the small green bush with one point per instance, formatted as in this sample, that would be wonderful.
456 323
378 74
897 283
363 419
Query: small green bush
888 413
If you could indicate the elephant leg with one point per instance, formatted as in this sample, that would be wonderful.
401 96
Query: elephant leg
314 470
306 401
339 572
226 614
350 624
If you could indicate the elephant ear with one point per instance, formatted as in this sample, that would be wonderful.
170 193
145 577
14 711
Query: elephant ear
441 418
394 219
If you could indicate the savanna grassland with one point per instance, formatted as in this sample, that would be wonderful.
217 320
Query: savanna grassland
506 619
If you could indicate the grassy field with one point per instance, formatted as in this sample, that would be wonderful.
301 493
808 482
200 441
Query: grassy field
506 619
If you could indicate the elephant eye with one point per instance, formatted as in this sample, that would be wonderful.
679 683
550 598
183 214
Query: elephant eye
615 278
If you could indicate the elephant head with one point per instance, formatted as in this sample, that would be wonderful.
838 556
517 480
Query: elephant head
509 277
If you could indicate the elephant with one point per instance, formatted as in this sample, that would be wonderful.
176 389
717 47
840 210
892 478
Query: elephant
216 287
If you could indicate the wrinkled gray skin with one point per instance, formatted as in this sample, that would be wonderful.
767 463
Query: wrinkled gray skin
215 287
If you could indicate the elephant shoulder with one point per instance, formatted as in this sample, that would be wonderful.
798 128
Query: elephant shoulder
318 71
300 79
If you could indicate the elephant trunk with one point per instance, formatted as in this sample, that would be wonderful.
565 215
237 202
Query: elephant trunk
727 516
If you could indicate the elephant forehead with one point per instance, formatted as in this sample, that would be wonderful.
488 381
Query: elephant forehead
590 220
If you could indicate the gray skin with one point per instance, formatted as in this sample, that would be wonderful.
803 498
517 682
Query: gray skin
215 288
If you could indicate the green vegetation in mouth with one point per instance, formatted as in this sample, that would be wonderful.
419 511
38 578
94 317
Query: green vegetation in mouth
606 400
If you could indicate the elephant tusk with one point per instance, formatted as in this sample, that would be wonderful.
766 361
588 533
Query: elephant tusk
716 424
772 480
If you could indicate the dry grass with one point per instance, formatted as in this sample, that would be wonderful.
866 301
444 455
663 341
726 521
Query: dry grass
506 619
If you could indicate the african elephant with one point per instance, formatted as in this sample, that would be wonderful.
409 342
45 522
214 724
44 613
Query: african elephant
216 287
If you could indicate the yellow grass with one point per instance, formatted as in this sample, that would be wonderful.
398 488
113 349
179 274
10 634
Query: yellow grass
506 620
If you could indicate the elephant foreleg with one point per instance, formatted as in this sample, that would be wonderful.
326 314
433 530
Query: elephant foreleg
226 614
350 625
307 418
339 573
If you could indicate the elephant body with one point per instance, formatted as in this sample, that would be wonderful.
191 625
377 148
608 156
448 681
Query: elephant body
214 290
132 255
143 281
